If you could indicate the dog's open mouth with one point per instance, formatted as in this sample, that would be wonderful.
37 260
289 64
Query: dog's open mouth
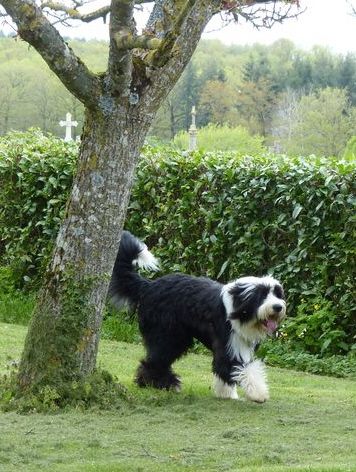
270 325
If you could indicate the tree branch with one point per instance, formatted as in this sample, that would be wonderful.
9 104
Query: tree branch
120 60
157 23
178 48
34 28
162 54
180 30
140 42
265 17
74 14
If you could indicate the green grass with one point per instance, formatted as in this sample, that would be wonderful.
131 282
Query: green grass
308 425
16 307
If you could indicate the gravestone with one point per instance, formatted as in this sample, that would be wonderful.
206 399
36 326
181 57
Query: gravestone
68 123
193 132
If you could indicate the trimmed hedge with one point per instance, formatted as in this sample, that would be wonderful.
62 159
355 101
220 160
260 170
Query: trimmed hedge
226 216
217 214
36 173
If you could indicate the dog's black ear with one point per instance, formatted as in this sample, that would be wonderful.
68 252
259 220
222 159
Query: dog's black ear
238 291
241 303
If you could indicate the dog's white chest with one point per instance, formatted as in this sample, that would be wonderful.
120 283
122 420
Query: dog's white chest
239 348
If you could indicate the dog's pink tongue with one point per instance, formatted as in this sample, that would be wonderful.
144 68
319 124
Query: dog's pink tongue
271 326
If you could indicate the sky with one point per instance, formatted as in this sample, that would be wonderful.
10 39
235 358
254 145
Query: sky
325 22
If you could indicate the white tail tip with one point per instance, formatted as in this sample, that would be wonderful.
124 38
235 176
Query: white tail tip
146 260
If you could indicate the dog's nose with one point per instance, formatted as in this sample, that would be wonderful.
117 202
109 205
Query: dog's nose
277 308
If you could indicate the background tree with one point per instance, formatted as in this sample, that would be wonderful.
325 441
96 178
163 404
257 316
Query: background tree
347 76
283 119
187 94
46 103
175 113
120 105
13 81
322 124
217 103
289 69
323 67
255 103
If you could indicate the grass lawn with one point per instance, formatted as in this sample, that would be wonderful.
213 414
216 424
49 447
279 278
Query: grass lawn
308 425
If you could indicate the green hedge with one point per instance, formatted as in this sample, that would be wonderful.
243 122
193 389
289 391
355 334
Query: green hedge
225 216
213 214
36 173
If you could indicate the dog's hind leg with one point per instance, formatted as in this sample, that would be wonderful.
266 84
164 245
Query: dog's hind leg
151 374
155 370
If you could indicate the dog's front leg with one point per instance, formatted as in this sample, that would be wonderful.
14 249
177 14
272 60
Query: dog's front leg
252 378
224 386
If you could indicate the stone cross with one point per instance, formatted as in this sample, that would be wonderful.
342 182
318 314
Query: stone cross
193 132
68 123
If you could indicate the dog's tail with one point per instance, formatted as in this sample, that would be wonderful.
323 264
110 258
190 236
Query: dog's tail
126 284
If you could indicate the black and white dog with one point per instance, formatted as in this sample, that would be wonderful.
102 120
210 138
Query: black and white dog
230 320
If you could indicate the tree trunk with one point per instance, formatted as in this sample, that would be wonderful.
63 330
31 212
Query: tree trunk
63 337
62 341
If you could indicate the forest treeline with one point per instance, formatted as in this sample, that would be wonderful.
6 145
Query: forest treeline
297 100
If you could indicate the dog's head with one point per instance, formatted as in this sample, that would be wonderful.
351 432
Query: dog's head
254 305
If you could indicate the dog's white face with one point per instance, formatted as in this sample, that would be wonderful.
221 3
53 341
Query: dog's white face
254 305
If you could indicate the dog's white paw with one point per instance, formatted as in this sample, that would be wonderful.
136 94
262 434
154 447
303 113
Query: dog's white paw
258 395
252 379
224 390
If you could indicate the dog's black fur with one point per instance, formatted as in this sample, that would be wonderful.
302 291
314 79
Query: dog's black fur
173 310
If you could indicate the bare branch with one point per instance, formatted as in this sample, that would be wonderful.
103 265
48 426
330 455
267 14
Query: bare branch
124 40
66 12
34 28
265 16
74 14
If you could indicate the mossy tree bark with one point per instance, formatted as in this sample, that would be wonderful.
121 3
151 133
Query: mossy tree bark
121 103
63 337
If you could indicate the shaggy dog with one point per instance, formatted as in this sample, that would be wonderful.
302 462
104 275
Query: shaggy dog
230 320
